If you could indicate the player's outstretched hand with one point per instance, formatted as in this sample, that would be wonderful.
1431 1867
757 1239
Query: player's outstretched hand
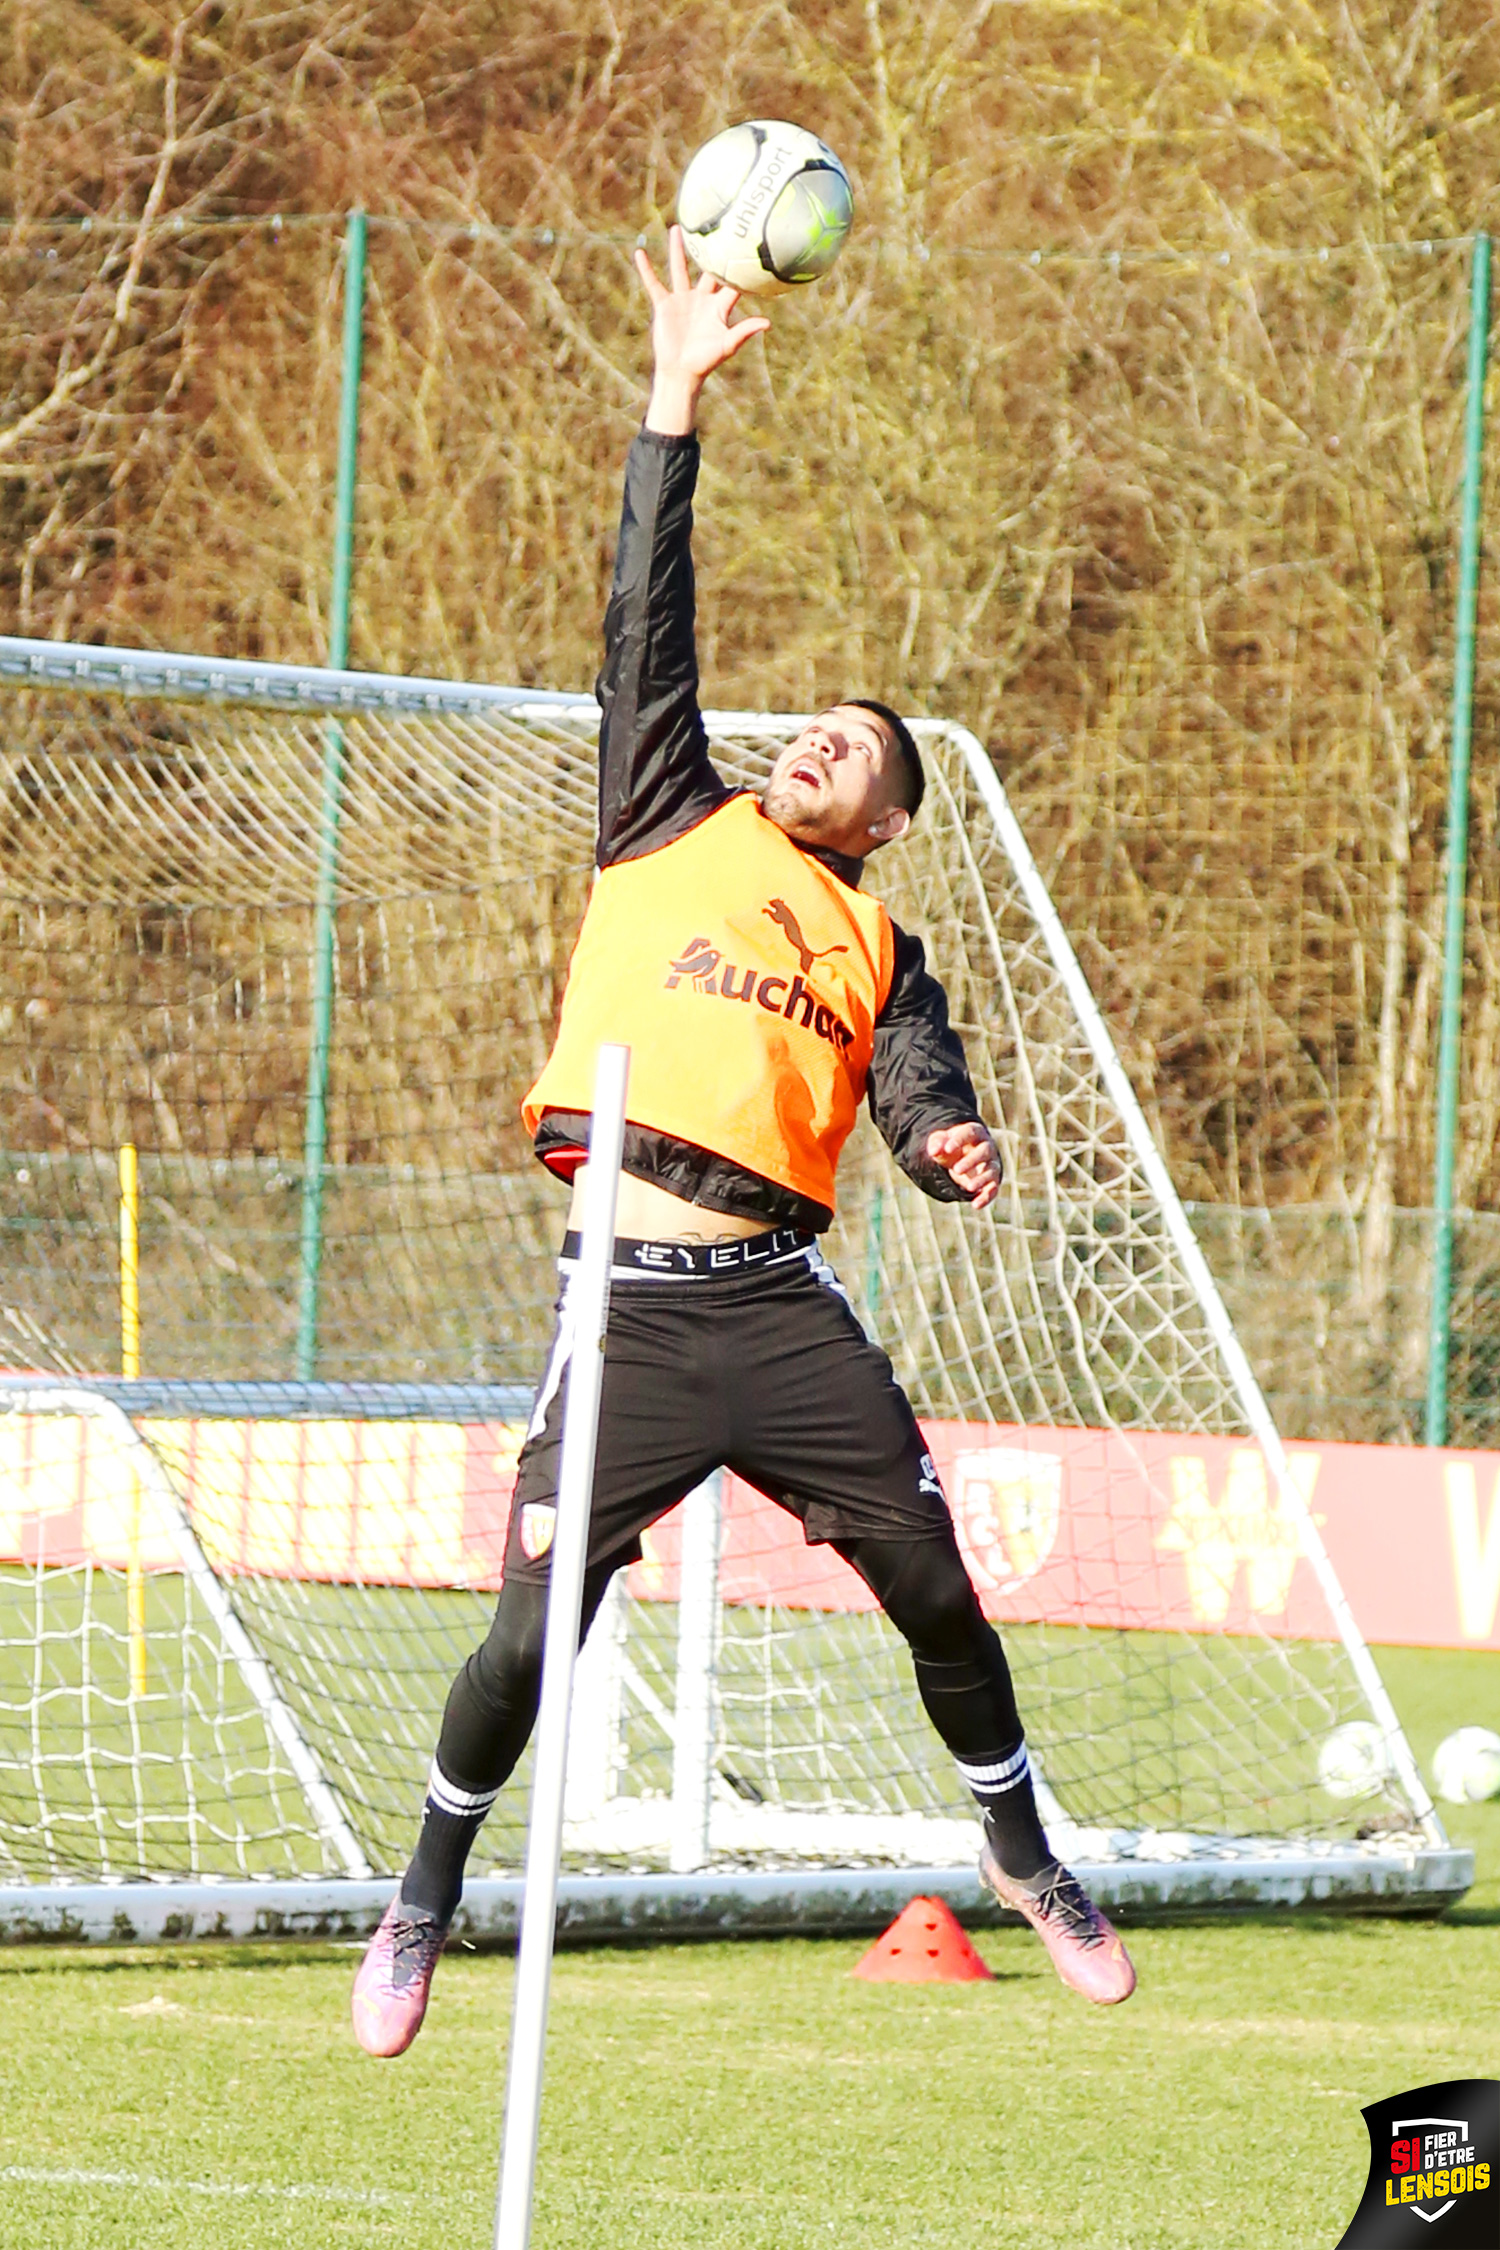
690 335
970 1158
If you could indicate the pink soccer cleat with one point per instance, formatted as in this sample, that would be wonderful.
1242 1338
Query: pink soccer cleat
1086 1951
395 1977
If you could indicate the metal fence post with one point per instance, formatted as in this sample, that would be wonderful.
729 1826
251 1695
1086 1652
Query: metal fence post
315 1127
1450 1037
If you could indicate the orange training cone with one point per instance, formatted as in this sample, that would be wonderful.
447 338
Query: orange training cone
924 1945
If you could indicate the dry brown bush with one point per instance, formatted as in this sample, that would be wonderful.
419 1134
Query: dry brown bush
1167 513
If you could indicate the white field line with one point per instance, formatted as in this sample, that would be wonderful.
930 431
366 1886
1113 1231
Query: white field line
38 2175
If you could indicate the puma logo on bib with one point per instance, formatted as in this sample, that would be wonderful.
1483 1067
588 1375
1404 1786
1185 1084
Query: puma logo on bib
791 929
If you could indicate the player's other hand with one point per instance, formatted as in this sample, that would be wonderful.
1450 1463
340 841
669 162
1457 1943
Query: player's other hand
970 1158
690 335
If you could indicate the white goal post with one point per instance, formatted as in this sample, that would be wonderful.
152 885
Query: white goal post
75 1402
340 1332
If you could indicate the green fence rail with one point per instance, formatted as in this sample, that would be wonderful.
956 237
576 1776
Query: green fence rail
1465 640
315 1141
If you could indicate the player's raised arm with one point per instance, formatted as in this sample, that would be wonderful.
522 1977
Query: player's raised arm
655 776
691 335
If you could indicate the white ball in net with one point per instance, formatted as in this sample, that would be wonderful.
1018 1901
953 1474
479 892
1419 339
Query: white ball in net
1354 1760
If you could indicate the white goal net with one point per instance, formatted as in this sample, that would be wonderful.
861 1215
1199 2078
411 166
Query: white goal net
297 940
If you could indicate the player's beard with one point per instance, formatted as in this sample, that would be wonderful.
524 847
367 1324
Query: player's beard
808 824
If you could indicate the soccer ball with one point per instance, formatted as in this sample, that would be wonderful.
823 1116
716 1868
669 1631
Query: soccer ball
1466 1769
765 207
1354 1761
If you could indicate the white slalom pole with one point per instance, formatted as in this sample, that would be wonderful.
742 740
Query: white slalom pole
587 1311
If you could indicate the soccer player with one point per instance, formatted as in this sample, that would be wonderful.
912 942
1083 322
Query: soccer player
762 995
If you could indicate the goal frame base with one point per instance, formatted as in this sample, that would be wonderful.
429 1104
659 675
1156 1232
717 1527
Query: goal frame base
729 1903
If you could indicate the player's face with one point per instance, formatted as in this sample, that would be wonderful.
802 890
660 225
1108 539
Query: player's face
836 785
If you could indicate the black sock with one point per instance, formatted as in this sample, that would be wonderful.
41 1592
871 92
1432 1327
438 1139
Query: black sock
451 1819
1001 1786
971 1703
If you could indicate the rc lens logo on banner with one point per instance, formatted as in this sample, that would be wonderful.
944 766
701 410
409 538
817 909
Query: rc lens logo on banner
1434 2164
1007 1509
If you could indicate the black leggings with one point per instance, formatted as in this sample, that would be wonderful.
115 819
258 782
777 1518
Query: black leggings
921 1584
764 1370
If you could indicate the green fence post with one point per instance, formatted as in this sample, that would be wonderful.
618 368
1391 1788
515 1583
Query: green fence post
315 1128
874 1247
1451 1031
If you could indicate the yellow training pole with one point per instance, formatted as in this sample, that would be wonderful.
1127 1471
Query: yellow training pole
130 1367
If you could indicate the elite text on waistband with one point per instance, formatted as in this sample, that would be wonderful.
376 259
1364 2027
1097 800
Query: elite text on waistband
690 1261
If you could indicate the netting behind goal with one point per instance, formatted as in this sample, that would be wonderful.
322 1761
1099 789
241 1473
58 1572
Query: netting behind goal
339 1332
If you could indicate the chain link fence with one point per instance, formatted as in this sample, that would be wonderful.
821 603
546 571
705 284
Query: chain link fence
1175 532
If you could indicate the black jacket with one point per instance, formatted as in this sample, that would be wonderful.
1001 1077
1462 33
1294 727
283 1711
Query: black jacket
656 781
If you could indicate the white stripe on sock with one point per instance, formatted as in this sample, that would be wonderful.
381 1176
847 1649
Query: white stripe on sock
450 1799
1008 1775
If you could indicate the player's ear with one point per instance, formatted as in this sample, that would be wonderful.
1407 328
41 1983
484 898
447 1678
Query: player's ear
891 825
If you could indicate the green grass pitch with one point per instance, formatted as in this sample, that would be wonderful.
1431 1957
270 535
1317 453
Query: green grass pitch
754 2097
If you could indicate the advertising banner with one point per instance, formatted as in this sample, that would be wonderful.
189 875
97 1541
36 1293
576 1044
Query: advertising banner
1068 1526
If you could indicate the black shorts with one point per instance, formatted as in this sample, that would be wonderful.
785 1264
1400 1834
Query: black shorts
752 1361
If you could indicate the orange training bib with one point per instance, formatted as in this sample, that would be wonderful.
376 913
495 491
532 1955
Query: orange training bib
745 978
